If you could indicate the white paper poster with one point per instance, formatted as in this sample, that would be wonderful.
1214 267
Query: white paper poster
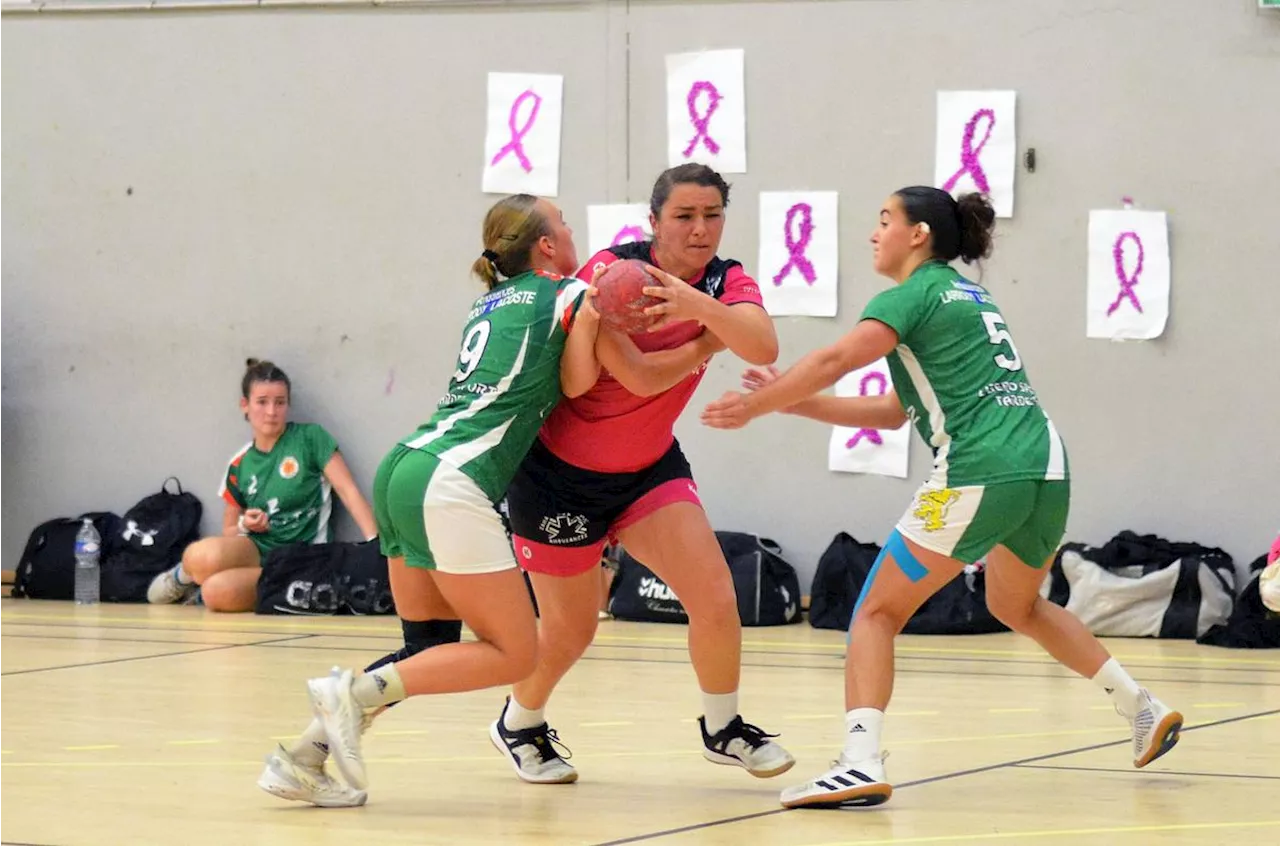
977 147
707 110
611 225
799 252
880 451
1128 295
522 136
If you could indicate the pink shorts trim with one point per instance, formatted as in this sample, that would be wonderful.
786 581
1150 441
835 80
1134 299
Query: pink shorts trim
676 490
563 561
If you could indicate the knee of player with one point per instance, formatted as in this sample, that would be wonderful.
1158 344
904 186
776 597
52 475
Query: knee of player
884 613
717 607
220 595
1010 610
200 560
522 659
420 635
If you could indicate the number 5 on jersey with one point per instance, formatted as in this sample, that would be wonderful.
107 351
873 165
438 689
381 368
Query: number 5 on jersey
999 334
473 345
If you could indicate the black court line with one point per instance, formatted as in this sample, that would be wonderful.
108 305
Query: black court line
143 657
96 639
931 780
821 668
1144 772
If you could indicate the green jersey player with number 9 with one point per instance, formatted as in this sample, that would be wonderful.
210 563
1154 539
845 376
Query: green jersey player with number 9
999 488
529 340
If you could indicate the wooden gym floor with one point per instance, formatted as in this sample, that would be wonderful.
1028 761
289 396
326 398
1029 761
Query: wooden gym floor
148 725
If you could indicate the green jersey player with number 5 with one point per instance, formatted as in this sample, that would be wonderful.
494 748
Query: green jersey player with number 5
999 487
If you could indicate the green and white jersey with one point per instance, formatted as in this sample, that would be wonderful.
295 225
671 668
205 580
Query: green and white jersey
287 483
507 381
959 377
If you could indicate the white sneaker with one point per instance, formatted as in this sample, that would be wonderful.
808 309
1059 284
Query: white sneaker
286 778
1156 729
343 719
741 744
533 753
852 784
165 589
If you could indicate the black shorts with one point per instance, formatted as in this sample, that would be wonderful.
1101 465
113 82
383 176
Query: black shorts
561 514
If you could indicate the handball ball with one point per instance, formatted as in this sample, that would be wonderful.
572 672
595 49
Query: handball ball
620 297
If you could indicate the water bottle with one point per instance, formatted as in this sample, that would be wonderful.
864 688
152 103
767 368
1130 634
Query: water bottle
88 573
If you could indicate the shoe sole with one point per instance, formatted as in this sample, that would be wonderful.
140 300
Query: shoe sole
867 796
1170 732
351 766
730 761
496 740
294 795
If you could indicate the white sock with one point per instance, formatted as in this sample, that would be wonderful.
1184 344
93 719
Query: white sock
1120 686
182 576
518 717
381 686
862 734
312 748
719 709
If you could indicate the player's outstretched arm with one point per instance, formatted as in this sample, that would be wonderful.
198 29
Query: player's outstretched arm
875 412
817 371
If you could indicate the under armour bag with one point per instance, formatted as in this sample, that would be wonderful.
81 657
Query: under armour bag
842 570
1251 624
150 539
47 569
766 586
324 579
1144 586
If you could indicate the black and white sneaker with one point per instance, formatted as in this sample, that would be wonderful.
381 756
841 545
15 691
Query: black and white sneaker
741 744
850 784
533 752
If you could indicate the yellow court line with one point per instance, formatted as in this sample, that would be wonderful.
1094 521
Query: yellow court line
319 625
1059 832
91 748
192 742
940 650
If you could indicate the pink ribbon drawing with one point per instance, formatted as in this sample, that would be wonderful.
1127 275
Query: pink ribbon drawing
1127 283
870 434
702 121
627 234
796 246
515 145
969 162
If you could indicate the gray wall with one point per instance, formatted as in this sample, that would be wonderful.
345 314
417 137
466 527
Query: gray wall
181 190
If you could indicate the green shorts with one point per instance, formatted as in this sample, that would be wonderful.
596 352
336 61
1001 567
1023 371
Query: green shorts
965 523
416 496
